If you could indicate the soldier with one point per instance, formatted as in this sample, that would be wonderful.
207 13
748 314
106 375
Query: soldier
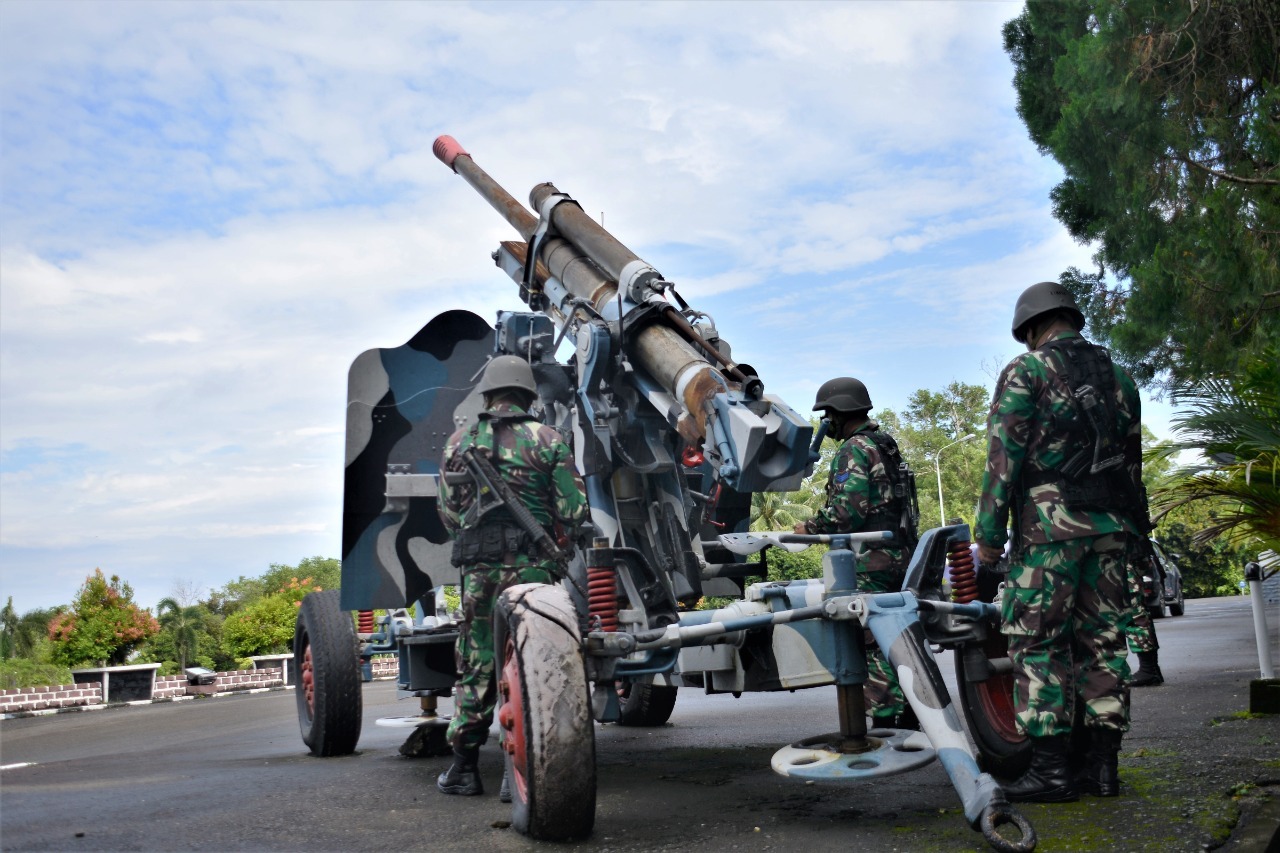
861 498
492 551
1140 630
1064 459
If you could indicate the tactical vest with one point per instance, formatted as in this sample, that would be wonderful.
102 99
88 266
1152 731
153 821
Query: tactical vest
1094 476
901 513
495 534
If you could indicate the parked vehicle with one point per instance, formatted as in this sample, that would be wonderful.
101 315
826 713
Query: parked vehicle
1171 585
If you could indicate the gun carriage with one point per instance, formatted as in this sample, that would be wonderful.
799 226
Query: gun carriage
672 437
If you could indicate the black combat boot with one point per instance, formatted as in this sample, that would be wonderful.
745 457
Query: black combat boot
1048 779
1148 674
462 777
1101 776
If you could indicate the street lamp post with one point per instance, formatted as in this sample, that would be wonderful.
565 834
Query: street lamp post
937 467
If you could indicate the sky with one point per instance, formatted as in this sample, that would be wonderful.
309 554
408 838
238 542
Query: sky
208 210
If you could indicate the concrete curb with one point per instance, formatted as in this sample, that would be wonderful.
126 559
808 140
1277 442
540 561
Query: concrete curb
1261 833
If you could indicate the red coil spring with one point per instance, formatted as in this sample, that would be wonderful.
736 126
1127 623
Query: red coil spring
364 621
602 596
964 580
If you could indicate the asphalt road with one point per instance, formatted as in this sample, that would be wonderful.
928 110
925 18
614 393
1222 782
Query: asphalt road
231 773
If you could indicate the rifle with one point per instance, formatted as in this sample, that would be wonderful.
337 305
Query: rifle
493 492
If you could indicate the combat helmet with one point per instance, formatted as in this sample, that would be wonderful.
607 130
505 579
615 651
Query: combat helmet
507 372
842 394
1040 298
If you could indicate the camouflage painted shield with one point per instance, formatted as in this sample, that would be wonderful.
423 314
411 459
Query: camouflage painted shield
402 406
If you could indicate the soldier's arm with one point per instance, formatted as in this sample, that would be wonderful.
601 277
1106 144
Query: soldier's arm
570 495
448 503
1008 433
851 500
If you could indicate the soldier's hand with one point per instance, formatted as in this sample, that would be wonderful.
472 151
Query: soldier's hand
800 528
989 555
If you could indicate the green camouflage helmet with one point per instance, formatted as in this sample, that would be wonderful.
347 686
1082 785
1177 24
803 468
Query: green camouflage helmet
1041 298
507 372
842 394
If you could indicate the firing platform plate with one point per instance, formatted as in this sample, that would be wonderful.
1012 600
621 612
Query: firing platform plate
411 722
892 751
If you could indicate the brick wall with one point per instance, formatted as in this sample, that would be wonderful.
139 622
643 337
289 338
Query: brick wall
385 666
166 687
40 698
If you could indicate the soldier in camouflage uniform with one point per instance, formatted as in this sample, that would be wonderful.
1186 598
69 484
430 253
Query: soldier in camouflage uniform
1064 460
492 551
860 499
1140 631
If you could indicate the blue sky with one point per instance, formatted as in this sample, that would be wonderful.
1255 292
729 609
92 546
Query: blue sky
209 210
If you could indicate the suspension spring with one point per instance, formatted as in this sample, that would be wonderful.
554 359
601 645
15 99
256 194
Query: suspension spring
602 596
964 580
364 621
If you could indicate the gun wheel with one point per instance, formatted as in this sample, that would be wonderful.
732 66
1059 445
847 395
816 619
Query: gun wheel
544 711
988 706
328 694
645 704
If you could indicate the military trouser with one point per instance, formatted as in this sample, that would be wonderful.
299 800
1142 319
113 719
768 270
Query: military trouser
1063 611
879 572
1138 629
476 691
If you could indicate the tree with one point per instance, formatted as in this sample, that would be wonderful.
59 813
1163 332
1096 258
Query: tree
183 624
266 626
1233 426
22 636
938 421
1163 116
1210 567
779 510
103 625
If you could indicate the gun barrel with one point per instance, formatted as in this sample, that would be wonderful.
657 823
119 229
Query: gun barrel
451 153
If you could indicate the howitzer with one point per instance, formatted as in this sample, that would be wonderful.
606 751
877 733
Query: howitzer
672 436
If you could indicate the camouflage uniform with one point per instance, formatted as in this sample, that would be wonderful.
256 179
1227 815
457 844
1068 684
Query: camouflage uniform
858 488
538 466
1137 621
1066 596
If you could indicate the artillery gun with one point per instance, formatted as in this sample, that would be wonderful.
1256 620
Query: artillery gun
672 437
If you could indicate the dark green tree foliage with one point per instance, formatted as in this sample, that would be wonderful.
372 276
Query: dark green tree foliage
1165 117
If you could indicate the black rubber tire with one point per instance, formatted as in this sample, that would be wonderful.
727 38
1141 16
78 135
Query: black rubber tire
988 708
1156 612
329 695
544 711
646 704
1177 608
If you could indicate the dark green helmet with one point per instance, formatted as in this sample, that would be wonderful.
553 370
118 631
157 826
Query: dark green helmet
843 394
507 371
1041 298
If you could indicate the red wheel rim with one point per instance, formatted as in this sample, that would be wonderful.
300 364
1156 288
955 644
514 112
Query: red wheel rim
996 696
309 680
511 719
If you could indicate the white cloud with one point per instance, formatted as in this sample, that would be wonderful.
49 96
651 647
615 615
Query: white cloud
212 208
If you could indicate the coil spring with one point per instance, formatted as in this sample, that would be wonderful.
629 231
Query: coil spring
964 579
602 596
364 620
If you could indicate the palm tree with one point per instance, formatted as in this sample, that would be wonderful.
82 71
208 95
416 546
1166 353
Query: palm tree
183 623
1234 424
778 510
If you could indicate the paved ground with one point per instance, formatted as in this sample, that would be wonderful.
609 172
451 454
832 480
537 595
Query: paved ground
231 773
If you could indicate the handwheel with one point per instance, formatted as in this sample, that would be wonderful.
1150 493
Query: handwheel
1003 751
544 711
325 647
645 704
